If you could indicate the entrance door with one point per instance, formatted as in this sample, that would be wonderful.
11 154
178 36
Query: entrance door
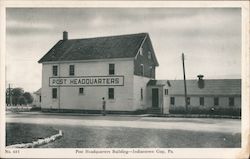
155 97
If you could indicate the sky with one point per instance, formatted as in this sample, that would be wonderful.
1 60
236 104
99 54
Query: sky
210 38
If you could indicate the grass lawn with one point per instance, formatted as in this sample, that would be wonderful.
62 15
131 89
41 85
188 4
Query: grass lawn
17 133
115 137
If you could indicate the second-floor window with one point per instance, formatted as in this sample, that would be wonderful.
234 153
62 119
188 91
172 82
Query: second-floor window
55 70
111 69
71 70
142 69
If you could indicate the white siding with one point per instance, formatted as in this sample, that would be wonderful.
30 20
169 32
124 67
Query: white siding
69 98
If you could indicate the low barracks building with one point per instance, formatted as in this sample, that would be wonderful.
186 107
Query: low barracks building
77 73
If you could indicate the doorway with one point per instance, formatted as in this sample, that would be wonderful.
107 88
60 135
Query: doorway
155 97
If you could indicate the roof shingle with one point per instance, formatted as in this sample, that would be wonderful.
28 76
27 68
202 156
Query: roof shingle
122 46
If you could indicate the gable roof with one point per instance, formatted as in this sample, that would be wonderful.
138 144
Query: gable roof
121 46
211 86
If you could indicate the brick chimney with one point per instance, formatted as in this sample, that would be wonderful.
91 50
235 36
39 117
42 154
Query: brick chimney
65 35
201 83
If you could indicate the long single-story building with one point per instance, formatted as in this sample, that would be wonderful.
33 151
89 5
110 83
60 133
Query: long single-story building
78 73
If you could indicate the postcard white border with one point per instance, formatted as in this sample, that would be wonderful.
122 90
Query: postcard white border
178 152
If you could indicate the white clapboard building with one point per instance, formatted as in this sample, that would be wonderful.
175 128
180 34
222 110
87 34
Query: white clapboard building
78 73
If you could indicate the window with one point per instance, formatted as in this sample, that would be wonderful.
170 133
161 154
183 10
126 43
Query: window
149 55
141 94
188 100
111 69
201 100
142 69
111 93
172 100
71 70
54 70
54 93
166 91
151 71
40 98
231 101
216 101
141 51
81 91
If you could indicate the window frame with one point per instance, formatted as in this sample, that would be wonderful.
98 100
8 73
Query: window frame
149 55
142 70
165 92
141 93
172 100
188 100
71 68
81 92
229 101
54 93
110 69
111 94
202 101
54 70
216 101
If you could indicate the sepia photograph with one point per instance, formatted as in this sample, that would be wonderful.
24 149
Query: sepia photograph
124 81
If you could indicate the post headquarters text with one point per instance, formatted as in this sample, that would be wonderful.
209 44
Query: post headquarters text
86 81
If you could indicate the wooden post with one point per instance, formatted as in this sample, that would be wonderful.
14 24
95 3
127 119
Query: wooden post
185 87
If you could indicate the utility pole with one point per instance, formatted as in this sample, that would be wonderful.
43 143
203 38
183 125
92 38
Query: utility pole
9 95
185 87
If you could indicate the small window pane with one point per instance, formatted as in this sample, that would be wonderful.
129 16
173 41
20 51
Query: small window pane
149 55
172 101
166 91
142 69
81 91
54 70
231 101
111 93
71 70
141 94
54 93
201 100
216 101
111 69
188 100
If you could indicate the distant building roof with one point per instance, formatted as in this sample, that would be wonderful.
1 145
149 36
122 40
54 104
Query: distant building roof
211 86
38 92
121 46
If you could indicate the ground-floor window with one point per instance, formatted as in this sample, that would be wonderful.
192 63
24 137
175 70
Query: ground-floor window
111 93
216 101
81 91
54 93
172 100
141 94
201 100
231 101
188 100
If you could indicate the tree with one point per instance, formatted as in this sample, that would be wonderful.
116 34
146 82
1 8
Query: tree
22 100
16 94
28 97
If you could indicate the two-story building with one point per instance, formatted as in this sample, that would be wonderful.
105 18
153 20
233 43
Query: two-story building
77 73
